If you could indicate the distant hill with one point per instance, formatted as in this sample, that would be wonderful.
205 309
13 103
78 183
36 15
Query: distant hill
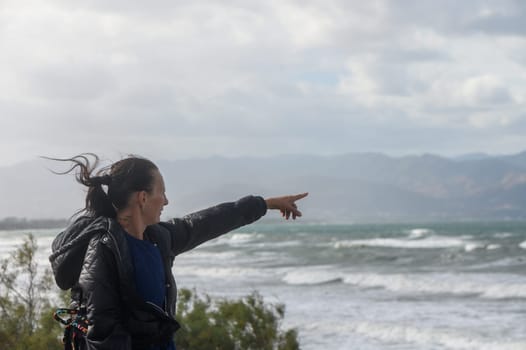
349 187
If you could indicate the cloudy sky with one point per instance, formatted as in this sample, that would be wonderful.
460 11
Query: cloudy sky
176 79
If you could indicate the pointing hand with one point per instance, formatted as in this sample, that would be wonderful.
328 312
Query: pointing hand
286 205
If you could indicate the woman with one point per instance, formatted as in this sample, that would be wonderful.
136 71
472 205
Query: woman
117 257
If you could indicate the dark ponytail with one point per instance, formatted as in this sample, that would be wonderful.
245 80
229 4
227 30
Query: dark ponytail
121 179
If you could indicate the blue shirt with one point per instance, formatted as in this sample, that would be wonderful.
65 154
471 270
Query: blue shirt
149 274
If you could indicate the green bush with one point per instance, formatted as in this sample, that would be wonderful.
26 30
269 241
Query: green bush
247 323
25 308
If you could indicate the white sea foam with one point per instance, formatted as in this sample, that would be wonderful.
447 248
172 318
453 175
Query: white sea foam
469 247
523 245
425 243
490 286
448 338
417 233
422 242
486 286
239 238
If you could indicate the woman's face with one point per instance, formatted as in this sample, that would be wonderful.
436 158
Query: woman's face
155 200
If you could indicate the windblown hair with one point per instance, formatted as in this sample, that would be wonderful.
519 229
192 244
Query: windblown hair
122 178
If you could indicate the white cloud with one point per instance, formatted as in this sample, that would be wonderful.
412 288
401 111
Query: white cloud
484 90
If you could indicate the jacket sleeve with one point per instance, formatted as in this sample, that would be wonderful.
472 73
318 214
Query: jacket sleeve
199 227
99 282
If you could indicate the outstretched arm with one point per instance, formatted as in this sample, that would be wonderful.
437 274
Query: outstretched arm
199 227
286 205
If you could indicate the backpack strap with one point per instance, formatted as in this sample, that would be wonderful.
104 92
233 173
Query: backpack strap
75 321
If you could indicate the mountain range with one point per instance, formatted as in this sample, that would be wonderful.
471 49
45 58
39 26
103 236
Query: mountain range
364 187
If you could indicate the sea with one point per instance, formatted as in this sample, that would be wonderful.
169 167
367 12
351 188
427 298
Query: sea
435 286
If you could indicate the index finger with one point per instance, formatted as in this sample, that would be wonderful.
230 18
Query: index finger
299 196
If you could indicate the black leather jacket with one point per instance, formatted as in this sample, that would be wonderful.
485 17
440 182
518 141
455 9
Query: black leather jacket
92 255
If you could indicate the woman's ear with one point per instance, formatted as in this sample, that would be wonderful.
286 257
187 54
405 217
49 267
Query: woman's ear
142 197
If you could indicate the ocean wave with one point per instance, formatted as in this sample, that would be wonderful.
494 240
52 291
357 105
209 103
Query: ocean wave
430 242
469 247
448 338
507 262
10 245
240 238
426 243
312 275
279 244
523 245
486 286
11 242
473 246
503 235
206 255
222 272
489 286
417 233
